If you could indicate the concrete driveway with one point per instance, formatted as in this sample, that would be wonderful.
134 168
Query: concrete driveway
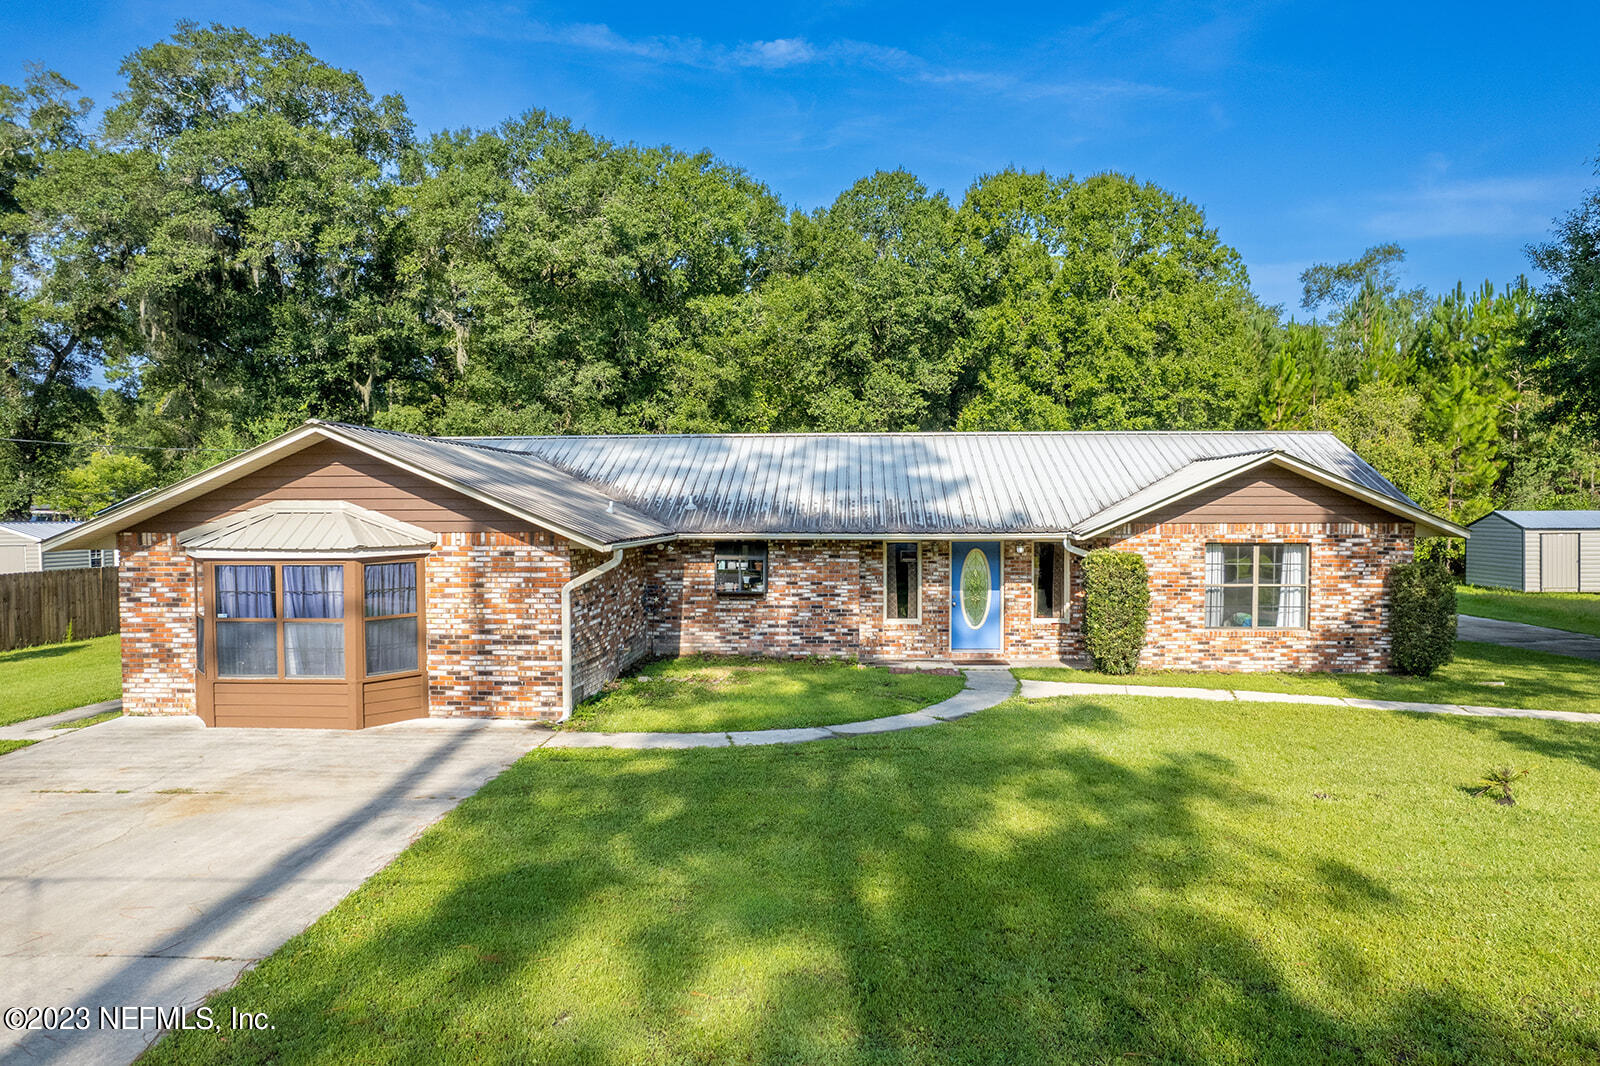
147 862
1521 635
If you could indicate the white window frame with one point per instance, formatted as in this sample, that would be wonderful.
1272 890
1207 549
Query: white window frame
916 617
1063 611
1255 585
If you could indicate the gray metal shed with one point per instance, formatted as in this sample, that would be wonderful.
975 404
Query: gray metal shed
21 551
1536 551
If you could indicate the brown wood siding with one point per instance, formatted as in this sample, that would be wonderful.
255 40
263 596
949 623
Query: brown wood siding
281 704
1269 496
332 471
395 699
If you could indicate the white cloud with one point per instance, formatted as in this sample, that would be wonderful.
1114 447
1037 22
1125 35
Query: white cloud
771 55
1437 206
511 23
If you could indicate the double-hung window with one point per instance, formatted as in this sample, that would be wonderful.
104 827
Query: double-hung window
1257 586
391 617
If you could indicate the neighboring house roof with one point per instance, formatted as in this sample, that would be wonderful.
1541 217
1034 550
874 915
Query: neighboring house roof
938 484
1548 519
614 491
310 527
39 530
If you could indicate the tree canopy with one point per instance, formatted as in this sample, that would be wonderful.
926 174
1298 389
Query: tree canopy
247 236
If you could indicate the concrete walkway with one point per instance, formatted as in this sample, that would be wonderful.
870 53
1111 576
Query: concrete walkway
1532 638
986 686
1038 690
45 728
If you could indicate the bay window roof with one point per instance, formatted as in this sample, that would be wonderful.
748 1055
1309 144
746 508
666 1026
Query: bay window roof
306 527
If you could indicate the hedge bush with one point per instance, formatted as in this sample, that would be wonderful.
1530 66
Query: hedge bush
1116 605
1422 616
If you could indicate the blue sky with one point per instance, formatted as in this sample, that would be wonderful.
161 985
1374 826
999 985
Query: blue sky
1307 132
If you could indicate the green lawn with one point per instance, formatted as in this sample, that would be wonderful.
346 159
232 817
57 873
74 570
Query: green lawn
717 693
1575 611
1532 679
58 677
9 746
1077 880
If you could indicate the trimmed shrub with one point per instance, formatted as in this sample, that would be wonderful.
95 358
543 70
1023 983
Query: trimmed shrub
1422 616
1116 605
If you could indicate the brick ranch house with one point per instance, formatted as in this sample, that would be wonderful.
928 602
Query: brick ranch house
340 576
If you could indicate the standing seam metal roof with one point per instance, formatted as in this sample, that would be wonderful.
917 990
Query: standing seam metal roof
1551 519
306 526
525 482
863 484
39 530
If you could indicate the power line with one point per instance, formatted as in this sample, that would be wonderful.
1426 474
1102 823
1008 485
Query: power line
123 447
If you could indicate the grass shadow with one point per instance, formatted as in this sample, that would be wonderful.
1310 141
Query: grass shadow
1001 889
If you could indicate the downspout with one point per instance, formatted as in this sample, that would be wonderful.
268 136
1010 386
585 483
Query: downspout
566 627
1073 549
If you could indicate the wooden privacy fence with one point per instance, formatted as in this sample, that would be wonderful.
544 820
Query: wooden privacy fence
38 608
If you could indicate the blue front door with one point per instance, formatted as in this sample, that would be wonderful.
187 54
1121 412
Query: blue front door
975 606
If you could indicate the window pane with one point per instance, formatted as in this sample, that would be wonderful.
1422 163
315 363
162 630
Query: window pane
1046 579
1236 607
313 649
245 592
975 592
313 591
1267 615
740 566
1237 564
1271 564
391 588
1214 605
1213 564
391 645
902 581
1294 563
200 644
247 649
1291 606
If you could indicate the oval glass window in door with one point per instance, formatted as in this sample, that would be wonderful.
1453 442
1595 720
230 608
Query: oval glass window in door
975 587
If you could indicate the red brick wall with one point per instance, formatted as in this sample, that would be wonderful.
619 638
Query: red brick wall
812 605
609 630
1027 637
493 608
827 598
156 584
1348 610
493 603
928 637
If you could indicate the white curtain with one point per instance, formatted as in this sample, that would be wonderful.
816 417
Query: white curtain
1213 585
1292 601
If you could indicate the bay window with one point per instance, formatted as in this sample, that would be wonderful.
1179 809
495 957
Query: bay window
289 620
